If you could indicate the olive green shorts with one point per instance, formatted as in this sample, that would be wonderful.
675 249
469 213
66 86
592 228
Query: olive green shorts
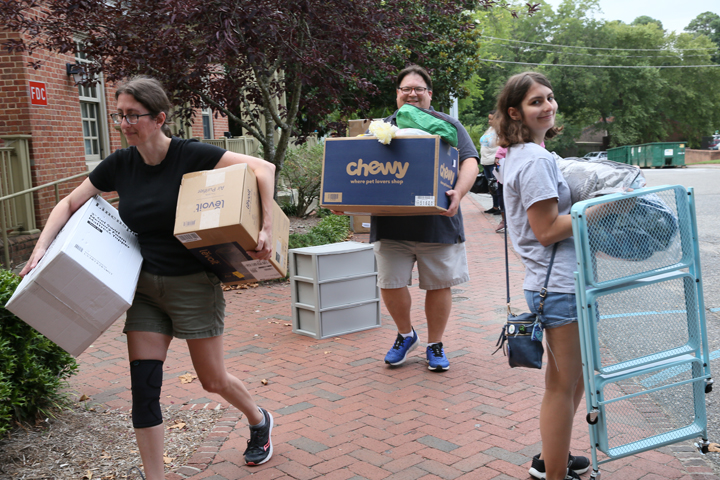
187 306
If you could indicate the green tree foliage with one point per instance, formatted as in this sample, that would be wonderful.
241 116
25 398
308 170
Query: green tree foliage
32 368
634 105
645 20
708 24
241 57
303 173
446 46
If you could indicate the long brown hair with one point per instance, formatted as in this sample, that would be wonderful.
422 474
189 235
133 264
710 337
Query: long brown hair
509 131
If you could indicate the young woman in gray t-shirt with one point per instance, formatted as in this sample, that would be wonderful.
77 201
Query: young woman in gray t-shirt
537 206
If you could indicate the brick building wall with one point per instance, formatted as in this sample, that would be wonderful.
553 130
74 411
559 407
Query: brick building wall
219 125
56 148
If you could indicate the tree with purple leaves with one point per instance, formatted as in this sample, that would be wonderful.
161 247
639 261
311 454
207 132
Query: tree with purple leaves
275 68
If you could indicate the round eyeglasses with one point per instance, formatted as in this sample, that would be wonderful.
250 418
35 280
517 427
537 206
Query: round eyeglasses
132 119
418 90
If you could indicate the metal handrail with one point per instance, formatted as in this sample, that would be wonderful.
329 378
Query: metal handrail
6 245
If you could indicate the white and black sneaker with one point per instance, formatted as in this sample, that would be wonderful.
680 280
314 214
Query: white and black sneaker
260 449
577 465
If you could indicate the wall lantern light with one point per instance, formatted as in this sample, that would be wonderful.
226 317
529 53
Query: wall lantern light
77 72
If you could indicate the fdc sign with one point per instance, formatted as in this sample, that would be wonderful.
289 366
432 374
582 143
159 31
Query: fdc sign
38 93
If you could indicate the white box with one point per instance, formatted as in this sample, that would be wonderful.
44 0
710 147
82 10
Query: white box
85 281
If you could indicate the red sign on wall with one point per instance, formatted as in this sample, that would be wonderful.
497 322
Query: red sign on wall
38 93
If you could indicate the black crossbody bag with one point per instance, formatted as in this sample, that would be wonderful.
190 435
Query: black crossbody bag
521 336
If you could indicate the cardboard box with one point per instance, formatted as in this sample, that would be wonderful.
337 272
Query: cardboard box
360 223
358 127
407 177
85 281
219 218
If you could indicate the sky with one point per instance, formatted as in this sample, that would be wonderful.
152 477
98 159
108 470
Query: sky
673 14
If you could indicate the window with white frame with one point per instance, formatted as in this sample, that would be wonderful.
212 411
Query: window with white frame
92 114
207 123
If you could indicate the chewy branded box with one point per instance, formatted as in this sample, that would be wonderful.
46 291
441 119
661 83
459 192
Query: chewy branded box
85 281
218 219
407 177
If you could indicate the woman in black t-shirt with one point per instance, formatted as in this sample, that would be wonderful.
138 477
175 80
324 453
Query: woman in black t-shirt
175 296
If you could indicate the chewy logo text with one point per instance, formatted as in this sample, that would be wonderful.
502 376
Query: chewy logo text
373 168
447 174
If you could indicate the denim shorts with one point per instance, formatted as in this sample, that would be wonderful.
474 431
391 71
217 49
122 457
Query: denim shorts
440 265
559 309
186 306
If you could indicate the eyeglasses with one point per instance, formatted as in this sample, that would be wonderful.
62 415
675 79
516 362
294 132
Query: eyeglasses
418 90
117 118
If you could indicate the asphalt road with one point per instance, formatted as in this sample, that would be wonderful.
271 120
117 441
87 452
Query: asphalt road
705 180
706 183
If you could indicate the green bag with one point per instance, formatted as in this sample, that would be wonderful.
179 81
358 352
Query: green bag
410 116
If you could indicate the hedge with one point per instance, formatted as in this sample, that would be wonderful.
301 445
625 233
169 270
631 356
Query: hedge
33 370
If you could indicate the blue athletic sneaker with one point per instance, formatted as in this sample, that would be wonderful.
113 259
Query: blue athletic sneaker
399 352
437 361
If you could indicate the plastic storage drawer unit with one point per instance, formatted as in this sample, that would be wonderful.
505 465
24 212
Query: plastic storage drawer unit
334 289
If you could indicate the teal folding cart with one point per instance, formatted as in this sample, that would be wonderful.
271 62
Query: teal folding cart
641 320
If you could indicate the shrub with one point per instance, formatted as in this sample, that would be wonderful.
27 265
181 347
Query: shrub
32 368
289 209
331 229
302 170
323 212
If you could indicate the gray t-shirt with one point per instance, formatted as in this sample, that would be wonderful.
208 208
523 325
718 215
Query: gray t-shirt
530 175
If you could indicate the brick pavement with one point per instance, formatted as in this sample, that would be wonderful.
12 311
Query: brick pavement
342 414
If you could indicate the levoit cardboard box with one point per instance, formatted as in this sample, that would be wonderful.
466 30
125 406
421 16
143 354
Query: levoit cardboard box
85 281
409 176
219 218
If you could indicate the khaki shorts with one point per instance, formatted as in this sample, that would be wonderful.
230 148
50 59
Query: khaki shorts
187 306
440 265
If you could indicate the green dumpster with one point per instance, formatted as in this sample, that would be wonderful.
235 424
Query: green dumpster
634 155
658 154
619 154
641 155
664 154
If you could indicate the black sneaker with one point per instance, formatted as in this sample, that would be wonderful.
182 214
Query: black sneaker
493 210
260 449
577 465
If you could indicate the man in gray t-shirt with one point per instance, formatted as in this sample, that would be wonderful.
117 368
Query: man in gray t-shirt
435 242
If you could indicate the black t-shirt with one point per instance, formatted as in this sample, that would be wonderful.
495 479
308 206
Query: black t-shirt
148 199
427 228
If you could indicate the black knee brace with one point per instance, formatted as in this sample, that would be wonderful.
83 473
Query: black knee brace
146 382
